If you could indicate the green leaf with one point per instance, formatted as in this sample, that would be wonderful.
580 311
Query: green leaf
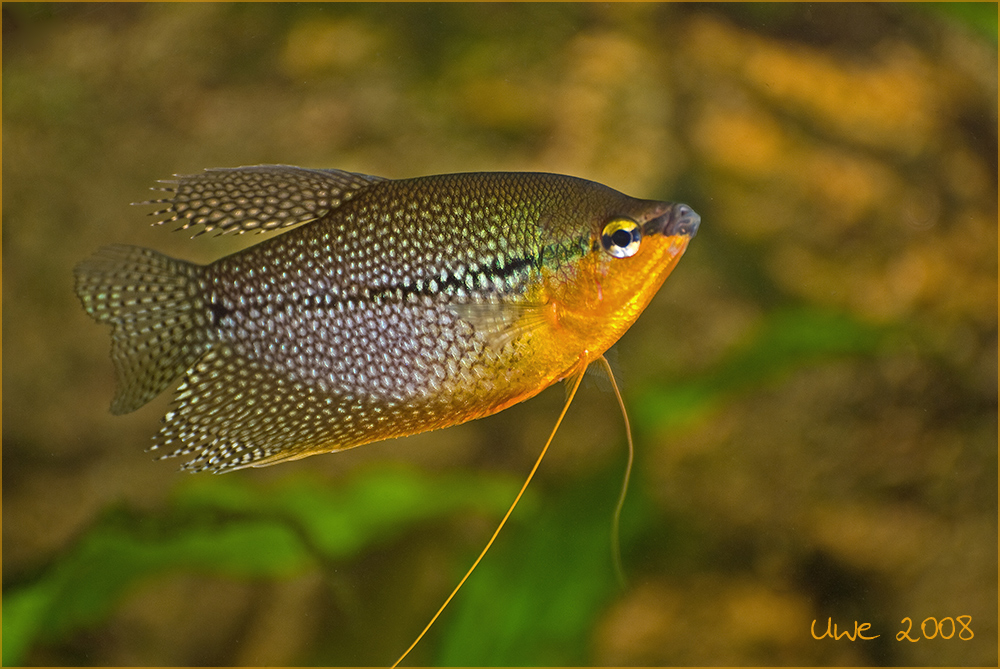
787 340
535 597
232 527
979 16
83 587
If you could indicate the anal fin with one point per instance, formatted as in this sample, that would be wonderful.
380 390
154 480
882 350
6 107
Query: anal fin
231 413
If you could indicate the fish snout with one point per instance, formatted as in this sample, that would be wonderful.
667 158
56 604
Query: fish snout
673 219
680 220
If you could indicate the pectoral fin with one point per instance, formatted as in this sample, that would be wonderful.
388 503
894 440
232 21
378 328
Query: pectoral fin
501 322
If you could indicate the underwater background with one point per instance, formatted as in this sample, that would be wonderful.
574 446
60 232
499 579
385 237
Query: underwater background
813 392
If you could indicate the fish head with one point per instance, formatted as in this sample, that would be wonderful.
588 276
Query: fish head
634 245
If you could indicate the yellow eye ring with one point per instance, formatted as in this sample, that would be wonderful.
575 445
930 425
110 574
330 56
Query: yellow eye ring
621 237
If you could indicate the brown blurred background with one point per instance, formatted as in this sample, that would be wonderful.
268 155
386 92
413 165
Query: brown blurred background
813 391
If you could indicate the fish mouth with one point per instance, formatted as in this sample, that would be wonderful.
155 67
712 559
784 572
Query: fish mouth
678 220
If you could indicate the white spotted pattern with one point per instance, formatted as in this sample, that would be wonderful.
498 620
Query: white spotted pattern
261 198
352 328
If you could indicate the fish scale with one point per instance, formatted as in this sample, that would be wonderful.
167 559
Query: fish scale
395 306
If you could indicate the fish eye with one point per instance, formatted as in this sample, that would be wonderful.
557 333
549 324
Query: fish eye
621 237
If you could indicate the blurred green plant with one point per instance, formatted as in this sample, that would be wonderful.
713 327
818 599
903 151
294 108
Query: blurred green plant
979 16
230 526
787 339
536 599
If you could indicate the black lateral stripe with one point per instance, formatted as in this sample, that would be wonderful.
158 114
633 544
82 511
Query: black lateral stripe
494 272
219 311
552 255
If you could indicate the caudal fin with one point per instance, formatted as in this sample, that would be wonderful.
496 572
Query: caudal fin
157 311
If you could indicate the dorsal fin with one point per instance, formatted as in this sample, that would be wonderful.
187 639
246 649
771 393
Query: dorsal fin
259 198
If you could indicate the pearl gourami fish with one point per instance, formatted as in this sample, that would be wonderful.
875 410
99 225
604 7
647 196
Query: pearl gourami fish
394 307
